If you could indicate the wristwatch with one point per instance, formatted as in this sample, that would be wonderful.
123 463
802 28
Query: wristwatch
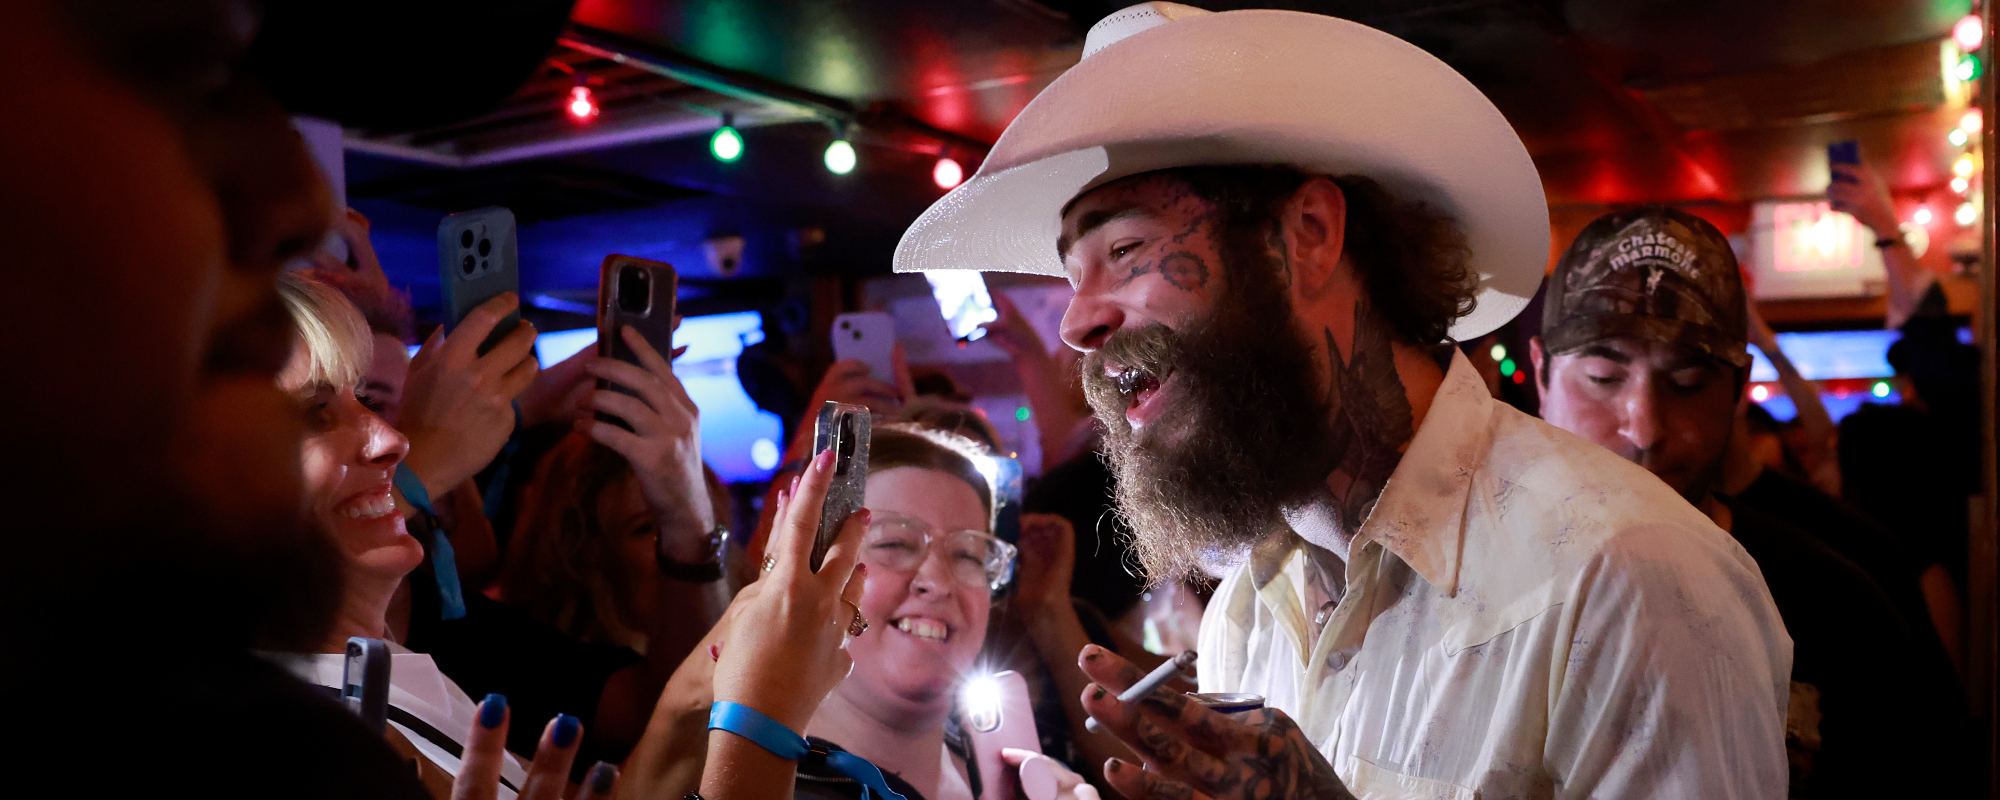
708 571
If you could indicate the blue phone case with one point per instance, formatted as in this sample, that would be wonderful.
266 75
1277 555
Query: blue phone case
478 260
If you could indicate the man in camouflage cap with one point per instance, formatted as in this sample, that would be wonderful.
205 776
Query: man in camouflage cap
1644 351
1653 286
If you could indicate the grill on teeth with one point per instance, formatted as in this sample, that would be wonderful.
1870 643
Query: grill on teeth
1128 381
923 629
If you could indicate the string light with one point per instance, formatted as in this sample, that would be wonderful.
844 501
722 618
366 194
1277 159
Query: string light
1507 367
1959 185
1922 216
1880 389
1966 214
1969 69
582 105
1972 121
1964 166
726 144
1970 32
1957 137
1760 393
1499 352
840 157
947 173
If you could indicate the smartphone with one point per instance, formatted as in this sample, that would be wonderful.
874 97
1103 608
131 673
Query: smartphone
1008 486
844 429
998 714
1847 152
963 300
640 293
364 681
869 337
478 260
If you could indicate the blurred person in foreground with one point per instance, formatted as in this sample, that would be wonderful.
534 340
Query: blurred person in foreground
1643 351
168 507
167 515
1433 592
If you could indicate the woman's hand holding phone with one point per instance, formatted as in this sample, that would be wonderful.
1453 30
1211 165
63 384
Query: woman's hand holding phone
793 653
664 445
458 407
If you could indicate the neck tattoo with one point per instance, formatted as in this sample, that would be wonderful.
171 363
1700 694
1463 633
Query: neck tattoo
1371 421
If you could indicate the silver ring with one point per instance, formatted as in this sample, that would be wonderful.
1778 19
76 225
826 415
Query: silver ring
770 563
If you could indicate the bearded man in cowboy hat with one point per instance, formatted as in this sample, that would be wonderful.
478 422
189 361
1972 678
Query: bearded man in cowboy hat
1275 223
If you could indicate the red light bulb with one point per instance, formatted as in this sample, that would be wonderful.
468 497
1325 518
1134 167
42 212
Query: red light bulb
582 105
947 173
1970 32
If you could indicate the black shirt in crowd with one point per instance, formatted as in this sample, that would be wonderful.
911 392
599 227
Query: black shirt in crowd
1871 545
542 671
1853 649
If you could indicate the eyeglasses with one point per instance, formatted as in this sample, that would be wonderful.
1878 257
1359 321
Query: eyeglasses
901 543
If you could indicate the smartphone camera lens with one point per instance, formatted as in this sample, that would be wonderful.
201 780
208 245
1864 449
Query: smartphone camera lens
465 239
467 265
485 247
635 290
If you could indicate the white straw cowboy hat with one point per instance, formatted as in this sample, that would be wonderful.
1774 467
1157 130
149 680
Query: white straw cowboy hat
1164 85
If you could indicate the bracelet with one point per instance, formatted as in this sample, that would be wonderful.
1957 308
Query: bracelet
708 571
785 743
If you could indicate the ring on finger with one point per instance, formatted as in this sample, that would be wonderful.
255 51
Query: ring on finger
770 563
859 624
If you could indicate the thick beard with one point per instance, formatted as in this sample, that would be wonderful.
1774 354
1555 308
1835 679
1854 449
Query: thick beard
1243 436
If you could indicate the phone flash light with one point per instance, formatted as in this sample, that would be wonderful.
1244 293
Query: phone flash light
982 703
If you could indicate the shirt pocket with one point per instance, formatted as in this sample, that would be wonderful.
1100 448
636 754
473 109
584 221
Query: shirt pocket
1369 781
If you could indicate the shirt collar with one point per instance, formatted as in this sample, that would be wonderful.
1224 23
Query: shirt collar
1421 514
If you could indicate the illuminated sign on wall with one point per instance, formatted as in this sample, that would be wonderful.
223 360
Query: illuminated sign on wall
1810 236
1806 249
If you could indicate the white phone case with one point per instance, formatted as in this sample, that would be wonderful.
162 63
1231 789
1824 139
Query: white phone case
1013 726
870 337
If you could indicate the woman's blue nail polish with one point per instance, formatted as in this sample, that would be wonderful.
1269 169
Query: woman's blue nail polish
566 730
602 777
493 711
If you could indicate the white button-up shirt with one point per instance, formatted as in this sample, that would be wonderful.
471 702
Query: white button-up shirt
1525 615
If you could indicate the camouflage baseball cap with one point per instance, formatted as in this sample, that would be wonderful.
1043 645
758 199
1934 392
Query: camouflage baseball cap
1653 273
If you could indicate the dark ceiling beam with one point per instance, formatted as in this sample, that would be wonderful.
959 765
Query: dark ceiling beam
687 69
754 88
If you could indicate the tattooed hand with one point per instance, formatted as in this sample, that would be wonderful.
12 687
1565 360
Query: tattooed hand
1193 753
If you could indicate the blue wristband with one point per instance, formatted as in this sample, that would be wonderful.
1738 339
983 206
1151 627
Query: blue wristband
785 743
444 561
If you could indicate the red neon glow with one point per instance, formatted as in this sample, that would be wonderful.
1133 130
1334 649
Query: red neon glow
582 105
947 173
1970 32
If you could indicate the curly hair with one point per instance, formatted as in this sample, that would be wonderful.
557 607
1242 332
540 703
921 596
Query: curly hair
1413 260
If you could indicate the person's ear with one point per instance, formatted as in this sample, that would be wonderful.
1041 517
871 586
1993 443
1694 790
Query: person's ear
1315 234
1535 357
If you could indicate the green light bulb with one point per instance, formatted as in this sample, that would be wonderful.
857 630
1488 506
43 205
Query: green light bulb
840 158
726 144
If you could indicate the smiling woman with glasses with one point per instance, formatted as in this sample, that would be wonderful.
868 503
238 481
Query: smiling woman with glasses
933 570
